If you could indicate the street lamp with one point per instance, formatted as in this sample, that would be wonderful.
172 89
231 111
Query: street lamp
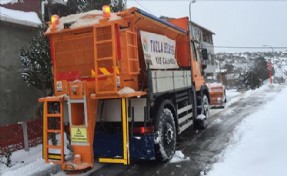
192 1
190 32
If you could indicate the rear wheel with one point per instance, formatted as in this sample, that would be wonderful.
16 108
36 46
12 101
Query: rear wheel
165 138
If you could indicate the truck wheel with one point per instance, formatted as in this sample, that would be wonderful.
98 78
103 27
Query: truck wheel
205 106
201 122
165 136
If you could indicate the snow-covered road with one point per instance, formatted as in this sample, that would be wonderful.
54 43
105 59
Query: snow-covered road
248 137
259 143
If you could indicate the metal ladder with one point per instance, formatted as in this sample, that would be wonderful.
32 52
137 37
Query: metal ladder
105 60
53 115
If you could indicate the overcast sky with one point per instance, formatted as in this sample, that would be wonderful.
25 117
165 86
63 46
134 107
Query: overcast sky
235 23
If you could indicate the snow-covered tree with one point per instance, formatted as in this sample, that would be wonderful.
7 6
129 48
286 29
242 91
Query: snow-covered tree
257 74
36 63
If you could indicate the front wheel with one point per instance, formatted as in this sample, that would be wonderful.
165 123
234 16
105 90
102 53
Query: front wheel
165 138
201 120
205 106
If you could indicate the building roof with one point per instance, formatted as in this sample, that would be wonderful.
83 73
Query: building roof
203 28
19 17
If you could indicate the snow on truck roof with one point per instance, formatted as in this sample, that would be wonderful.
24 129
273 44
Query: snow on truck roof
214 85
82 20
93 17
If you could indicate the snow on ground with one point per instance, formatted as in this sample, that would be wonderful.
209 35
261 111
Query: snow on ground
232 96
216 121
259 142
30 163
179 157
231 93
25 163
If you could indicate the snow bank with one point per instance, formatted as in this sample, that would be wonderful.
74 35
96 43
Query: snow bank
259 143
25 163
19 17
30 163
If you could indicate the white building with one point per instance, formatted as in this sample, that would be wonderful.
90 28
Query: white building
203 39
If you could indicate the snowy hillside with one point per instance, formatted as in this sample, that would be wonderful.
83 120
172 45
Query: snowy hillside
240 70
245 61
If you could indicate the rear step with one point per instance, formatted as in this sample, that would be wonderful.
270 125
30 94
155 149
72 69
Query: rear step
125 126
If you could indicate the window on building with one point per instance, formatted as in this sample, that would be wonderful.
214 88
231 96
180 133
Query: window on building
204 37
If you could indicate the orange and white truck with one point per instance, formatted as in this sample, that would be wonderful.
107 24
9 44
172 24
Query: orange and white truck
217 94
126 85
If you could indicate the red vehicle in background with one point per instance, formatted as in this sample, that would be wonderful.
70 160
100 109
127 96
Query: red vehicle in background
217 95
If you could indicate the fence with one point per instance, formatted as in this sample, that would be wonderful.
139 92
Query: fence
19 136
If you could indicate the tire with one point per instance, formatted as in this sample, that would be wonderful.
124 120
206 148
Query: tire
205 106
201 123
165 134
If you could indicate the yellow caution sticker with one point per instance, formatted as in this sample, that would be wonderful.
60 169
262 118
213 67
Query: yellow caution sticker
79 134
54 156
104 71
93 73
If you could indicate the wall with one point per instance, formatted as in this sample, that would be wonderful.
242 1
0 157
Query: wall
17 101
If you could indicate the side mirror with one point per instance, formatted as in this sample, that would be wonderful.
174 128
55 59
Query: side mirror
203 67
204 54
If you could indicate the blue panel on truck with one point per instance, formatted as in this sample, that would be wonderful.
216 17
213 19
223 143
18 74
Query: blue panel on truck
142 147
109 145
